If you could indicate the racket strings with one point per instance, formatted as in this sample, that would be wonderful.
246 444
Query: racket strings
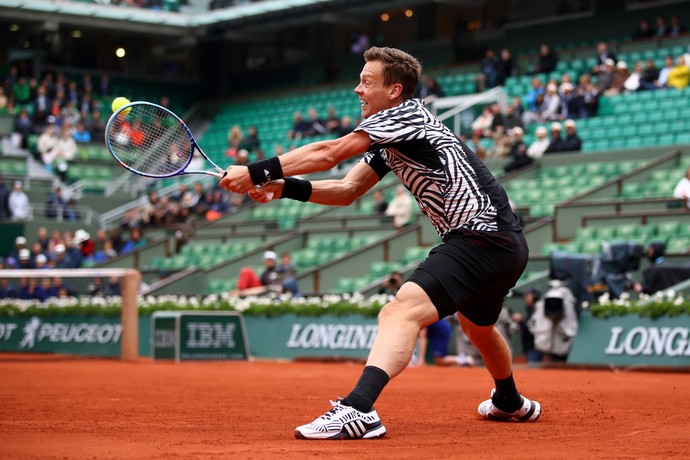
150 141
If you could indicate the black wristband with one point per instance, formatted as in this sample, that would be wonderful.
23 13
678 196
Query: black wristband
296 189
264 171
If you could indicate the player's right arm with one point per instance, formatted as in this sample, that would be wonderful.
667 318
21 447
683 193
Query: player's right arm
316 157
341 192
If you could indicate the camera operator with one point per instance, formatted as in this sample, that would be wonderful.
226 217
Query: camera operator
554 322
392 283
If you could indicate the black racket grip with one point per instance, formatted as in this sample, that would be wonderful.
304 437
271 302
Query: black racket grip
225 173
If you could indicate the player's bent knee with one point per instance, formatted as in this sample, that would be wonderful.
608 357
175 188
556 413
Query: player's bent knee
396 310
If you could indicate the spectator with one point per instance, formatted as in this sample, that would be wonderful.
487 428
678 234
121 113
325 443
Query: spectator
529 298
400 207
391 285
570 101
43 239
572 142
41 105
4 197
551 108
71 210
649 76
81 134
487 71
645 31
476 146
546 63
61 260
682 189
588 98
501 144
24 259
18 203
301 127
516 104
620 75
504 67
316 125
287 270
661 29
41 263
656 255
96 126
606 75
346 126
497 118
679 76
539 145
664 72
23 126
83 241
632 83
676 28
104 86
434 340
518 152
65 150
56 204
429 87
136 241
47 142
556 144
21 92
332 121
482 124
251 141
248 282
271 278
104 254
380 203
603 53
532 97
72 252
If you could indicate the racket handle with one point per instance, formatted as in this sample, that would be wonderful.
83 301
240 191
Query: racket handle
225 173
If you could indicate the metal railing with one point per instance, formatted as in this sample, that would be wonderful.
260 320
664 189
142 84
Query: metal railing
458 104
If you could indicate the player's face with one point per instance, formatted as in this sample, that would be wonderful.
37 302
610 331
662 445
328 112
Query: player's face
374 96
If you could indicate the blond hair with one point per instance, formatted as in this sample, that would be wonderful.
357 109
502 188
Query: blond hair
398 67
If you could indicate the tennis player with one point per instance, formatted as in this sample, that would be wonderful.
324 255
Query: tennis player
482 255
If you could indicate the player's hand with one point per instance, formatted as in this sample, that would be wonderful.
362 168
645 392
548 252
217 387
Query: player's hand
271 191
237 179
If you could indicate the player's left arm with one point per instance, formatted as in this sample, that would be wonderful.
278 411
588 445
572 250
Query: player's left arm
310 158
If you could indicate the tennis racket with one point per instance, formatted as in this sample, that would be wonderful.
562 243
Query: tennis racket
151 141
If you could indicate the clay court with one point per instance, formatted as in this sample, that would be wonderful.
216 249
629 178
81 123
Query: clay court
87 408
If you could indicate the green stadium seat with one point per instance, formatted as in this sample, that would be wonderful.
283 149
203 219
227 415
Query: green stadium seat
590 247
678 245
415 254
668 229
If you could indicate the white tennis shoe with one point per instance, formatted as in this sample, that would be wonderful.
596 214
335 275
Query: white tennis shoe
529 411
343 422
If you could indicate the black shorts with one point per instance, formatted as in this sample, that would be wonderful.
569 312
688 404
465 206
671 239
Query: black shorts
472 272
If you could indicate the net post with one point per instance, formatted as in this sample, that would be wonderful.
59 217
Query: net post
129 340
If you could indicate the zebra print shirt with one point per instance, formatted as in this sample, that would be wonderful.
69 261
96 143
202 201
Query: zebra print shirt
451 185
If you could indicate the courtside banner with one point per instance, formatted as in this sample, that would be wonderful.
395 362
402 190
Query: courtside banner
632 341
292 336
89 335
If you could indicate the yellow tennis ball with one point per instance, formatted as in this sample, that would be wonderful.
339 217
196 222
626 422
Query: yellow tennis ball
119 102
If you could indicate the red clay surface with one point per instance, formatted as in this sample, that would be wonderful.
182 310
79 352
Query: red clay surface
107 409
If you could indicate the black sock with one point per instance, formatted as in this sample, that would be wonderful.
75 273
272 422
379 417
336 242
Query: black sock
506 396
368 389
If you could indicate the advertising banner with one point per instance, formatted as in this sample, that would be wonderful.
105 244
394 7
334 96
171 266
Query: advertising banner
632 341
